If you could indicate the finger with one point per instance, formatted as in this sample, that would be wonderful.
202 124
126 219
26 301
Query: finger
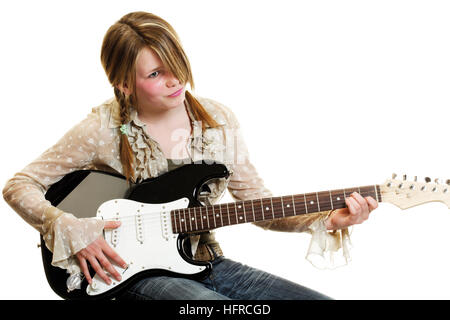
373 204
353 206
113 255
112 224
108 266
362 202
84 268
98 269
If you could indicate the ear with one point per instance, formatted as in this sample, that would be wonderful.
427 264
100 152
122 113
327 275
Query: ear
124 89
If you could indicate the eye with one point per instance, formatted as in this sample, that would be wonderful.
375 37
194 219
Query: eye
154 74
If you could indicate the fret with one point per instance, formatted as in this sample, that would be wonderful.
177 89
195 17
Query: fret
349 191
300 204
244 213
253 211
258 211
262 209
207 217
306 205
214 217
179 221
271 205
190 218
377 192
233 216
277 207
217 215
202 217
311 203
331 200
229 219
285 207
236 213
318 202
221 215
325 204
241 212
184 220
267 206
248 211
195 218
228 213
338 197
282 206
367 192
288 206
293 204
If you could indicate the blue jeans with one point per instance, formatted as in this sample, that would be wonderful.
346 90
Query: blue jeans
228 280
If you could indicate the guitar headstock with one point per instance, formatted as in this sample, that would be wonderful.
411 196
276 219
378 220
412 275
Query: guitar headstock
406 194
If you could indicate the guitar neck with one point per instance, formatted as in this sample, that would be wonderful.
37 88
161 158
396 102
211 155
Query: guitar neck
210 217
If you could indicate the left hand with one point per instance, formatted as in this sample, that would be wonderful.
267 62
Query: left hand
357 211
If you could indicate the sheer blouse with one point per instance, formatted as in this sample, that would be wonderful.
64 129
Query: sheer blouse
93 144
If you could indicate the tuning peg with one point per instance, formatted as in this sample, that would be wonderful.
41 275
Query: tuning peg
427 179
448 182
415 178
437 180
394 175
404 177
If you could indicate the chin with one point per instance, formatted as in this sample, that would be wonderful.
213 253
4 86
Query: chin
176 101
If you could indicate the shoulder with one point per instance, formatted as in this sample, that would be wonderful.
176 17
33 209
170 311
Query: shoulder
220 112
106 114
94 124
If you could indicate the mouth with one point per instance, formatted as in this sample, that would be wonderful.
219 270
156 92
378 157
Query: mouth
176 93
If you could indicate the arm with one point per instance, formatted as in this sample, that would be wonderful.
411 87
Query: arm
246 184
64 234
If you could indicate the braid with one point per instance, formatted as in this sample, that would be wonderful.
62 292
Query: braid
126 153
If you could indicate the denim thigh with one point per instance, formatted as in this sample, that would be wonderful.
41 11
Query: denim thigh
228 280
238 281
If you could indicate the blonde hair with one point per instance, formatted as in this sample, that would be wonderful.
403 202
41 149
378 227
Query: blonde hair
121 45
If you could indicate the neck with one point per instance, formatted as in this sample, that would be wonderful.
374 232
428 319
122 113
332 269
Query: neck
162 116
214 216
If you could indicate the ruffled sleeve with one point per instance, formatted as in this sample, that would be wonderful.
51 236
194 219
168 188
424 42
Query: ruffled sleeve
63 233
327 249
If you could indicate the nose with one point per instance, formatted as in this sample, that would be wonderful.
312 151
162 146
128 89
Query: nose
172 81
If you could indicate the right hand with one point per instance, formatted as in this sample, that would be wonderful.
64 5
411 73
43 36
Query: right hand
97 254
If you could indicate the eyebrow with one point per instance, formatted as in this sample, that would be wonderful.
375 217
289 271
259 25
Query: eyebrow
158 67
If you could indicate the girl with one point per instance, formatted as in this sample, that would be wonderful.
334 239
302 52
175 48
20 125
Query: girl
152 125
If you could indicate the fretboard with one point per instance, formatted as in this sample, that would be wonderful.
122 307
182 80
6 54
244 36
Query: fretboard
197 219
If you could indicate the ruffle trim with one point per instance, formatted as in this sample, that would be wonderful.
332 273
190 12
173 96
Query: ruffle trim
328 249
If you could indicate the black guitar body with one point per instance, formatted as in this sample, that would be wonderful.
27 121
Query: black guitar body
81 192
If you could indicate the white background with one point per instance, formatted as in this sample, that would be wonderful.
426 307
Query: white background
330 94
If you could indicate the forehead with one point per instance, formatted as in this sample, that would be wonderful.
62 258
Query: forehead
147 60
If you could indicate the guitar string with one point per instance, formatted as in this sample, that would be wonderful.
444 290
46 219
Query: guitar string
155 215
322 203
202 213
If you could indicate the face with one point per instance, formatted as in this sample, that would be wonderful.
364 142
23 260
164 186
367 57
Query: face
157 90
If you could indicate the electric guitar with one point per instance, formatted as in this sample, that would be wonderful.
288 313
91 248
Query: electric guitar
159 214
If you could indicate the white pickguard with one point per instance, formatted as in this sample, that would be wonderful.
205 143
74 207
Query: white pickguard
144 240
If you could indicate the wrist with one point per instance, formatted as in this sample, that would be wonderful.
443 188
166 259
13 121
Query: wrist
328 220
